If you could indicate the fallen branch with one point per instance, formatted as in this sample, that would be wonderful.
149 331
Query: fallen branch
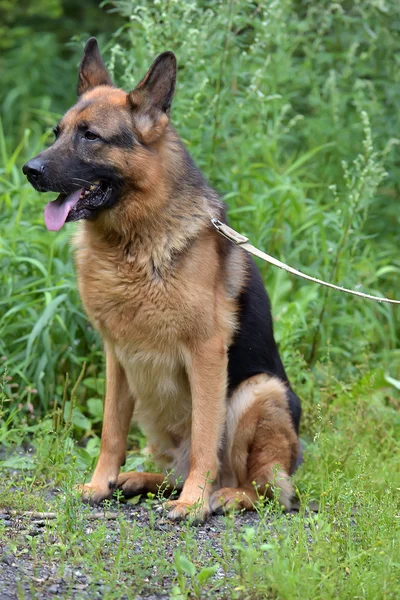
52 515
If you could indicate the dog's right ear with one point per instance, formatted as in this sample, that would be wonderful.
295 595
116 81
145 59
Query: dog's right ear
92 70
151 99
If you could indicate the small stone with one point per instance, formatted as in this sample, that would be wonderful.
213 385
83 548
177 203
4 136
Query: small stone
7 559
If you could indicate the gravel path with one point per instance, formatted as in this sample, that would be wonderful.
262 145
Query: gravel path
23 577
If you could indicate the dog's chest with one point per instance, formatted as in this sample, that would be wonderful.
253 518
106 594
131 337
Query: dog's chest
145 319
159 384
129 303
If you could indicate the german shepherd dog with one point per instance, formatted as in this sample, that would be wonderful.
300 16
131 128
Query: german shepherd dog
182 311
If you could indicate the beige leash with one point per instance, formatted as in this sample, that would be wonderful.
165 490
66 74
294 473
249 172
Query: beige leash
242 241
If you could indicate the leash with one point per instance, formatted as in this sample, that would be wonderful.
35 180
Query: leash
243 242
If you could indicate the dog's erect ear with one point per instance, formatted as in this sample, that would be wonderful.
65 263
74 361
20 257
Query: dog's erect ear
158 85
152 98
92 71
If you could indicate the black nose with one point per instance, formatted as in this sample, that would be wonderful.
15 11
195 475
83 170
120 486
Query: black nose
33 169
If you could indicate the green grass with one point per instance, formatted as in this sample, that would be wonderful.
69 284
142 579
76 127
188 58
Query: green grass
291 110
350 549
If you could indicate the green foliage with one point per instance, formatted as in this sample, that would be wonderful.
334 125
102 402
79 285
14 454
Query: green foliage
38 58
290 109
276 101
350 548
184 567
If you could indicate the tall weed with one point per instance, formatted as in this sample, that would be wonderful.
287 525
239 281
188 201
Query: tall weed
290 110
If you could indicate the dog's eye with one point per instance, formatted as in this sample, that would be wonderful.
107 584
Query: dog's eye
89 135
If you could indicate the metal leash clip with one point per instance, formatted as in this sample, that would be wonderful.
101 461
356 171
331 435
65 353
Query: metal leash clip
229 233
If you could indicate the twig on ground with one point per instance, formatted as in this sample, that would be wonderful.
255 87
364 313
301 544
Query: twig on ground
52 515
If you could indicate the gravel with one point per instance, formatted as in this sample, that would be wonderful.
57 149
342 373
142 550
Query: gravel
23 577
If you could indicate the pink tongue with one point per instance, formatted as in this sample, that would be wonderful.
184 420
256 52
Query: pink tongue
57 211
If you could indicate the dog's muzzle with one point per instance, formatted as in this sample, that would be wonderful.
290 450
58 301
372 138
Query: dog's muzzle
34 171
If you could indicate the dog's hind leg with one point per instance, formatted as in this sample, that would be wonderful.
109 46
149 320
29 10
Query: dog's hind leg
134 483
261 445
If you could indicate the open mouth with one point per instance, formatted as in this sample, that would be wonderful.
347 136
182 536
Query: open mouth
80 204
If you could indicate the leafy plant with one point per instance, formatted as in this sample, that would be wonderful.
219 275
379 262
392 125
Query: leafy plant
291 110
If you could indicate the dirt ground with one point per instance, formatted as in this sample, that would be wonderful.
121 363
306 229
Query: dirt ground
23 577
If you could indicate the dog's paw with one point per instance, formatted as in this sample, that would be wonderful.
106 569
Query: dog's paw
131 484
178 510
228 499
95 494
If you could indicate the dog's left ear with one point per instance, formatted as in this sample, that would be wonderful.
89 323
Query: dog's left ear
152 98
92 70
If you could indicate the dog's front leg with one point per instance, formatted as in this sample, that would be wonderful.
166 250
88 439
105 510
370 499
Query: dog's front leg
118 408
207 371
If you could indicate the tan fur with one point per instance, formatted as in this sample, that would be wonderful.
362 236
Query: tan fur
153 283
170 339
262 445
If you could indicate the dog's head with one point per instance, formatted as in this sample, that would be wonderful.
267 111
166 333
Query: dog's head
106 144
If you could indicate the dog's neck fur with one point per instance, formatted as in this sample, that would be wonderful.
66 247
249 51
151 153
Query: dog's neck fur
163 214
